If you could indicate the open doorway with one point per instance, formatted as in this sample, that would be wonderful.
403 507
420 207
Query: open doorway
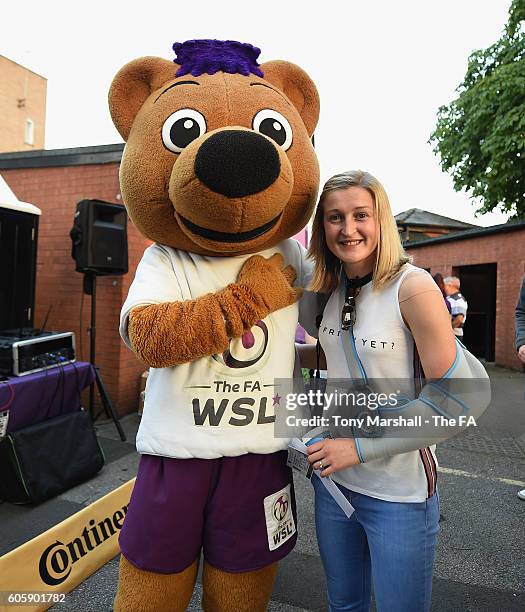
478 286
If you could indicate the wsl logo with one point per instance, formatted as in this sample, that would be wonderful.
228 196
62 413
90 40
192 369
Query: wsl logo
248 350
280 508
280 522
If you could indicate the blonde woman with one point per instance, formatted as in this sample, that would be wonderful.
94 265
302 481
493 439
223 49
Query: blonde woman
380 305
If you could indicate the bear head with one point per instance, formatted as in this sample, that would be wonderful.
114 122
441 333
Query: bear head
218 157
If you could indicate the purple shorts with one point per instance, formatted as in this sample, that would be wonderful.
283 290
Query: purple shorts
239 510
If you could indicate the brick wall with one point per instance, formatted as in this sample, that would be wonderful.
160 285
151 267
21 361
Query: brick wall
22 97
56 192
507 250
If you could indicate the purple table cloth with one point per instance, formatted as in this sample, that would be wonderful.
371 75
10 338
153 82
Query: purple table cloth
45 394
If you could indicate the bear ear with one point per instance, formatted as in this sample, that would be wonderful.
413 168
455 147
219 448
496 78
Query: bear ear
132 86
298 87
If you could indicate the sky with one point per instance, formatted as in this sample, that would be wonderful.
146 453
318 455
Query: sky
382 69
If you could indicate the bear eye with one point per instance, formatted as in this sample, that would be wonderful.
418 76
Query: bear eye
181 128
275 126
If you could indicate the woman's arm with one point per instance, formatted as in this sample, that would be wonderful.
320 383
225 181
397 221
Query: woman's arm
427 317
457 389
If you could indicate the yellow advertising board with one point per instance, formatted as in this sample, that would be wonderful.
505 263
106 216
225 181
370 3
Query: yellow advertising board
38 574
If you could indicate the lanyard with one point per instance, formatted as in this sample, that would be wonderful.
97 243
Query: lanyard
355 368
339 498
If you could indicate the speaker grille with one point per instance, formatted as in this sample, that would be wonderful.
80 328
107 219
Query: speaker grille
100 241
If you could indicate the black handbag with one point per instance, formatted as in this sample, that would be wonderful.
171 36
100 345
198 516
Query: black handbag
48 458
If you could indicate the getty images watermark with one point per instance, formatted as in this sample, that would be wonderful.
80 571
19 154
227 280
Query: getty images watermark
381 407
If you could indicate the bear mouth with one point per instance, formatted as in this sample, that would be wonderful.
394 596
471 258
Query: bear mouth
226 236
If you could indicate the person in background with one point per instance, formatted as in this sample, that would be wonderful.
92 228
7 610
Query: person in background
458 304
520 339
438 279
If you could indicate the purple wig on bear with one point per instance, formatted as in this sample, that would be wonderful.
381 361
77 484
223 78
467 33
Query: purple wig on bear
198 57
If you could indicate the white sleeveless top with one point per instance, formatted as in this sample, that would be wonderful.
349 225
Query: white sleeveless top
385 347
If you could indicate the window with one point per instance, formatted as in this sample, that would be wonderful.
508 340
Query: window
30 132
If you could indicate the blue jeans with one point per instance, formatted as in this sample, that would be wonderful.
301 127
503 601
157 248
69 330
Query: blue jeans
391 543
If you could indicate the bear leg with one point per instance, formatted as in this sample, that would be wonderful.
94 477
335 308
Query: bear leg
141 591
237 592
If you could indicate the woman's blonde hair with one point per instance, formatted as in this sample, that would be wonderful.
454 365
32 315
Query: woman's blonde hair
390 253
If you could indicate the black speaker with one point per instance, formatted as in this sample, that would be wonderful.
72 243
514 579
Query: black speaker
100 238
18 246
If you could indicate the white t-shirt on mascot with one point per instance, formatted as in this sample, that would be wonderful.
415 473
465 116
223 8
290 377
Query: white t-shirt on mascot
222 405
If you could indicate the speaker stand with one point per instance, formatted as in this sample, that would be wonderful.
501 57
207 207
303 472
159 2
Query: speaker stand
90 288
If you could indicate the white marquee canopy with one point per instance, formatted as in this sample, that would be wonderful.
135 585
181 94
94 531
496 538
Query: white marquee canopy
9 200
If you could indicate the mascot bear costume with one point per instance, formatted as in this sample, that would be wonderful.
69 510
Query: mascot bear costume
219 172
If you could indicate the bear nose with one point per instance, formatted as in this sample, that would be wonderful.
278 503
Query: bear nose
237 163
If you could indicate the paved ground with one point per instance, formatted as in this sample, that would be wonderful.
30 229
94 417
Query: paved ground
480 562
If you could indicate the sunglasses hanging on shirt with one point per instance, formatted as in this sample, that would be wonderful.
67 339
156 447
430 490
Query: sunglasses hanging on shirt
349 310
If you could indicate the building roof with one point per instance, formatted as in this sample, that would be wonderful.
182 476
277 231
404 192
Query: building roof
419 217
78 156
468 234
22 66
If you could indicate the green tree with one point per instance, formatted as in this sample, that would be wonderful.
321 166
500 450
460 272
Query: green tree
480 136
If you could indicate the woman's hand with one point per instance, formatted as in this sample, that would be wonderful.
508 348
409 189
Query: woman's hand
333 455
